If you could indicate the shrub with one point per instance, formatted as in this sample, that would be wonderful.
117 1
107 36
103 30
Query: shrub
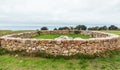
77 32
38 31
113 27
55 28
81 27
64 28
44 28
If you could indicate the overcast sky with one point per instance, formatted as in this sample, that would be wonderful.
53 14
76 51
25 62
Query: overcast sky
57 12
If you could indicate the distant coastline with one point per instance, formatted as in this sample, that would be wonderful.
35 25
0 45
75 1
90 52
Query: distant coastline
50 27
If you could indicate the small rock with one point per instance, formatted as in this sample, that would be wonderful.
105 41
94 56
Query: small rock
78 39
65 52
16 55
42 49
73 50
33 49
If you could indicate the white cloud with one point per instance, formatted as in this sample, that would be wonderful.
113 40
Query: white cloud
41 11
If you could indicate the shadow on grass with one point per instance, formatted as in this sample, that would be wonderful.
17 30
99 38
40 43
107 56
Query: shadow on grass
23 53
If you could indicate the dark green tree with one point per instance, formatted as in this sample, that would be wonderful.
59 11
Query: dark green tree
103 28
64 28
113 27
44 28
81 27
55 28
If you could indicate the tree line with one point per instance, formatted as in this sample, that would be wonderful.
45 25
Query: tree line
83 27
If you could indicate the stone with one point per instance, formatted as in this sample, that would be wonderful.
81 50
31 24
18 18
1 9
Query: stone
58 42
33 49
16 55
63 38
78 39
42 49
76 47
65 51
57 47
73 50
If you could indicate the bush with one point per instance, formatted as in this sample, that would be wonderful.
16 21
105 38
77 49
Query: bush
44 28
64 28
81 27
77 32
38 31
55 28
113 27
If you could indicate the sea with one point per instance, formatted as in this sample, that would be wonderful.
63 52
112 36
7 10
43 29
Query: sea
25 27
38 27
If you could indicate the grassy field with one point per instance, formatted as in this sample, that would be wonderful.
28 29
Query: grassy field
4 32
9 62
53 36
113 32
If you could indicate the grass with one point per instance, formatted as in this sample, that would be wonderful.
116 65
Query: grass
4 32
53 36
11 62
113 32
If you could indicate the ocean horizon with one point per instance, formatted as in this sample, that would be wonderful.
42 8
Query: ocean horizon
39 27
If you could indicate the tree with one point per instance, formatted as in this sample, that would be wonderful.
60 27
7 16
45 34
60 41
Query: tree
44 28
64 28
55 28
71 28
98 28
113 27
81 27
103 28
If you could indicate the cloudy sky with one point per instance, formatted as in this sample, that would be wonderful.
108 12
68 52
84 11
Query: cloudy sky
57 12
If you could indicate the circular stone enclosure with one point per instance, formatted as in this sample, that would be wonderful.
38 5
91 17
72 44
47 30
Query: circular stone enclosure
100 43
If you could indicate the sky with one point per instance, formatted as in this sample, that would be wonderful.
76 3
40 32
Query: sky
59 12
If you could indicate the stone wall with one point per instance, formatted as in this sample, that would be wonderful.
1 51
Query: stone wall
101 43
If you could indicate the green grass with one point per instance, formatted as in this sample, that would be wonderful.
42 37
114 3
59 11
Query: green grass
53 36
113 32
4 32
10 62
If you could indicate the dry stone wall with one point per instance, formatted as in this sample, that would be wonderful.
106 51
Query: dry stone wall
101 43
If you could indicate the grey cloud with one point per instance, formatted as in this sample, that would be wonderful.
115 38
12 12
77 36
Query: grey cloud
42 11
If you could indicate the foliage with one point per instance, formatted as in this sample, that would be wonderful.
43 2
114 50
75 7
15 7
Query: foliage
64 28
113 27
55 28
103 28
108 53
98 28
38 32
44 28
81 27
77 32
